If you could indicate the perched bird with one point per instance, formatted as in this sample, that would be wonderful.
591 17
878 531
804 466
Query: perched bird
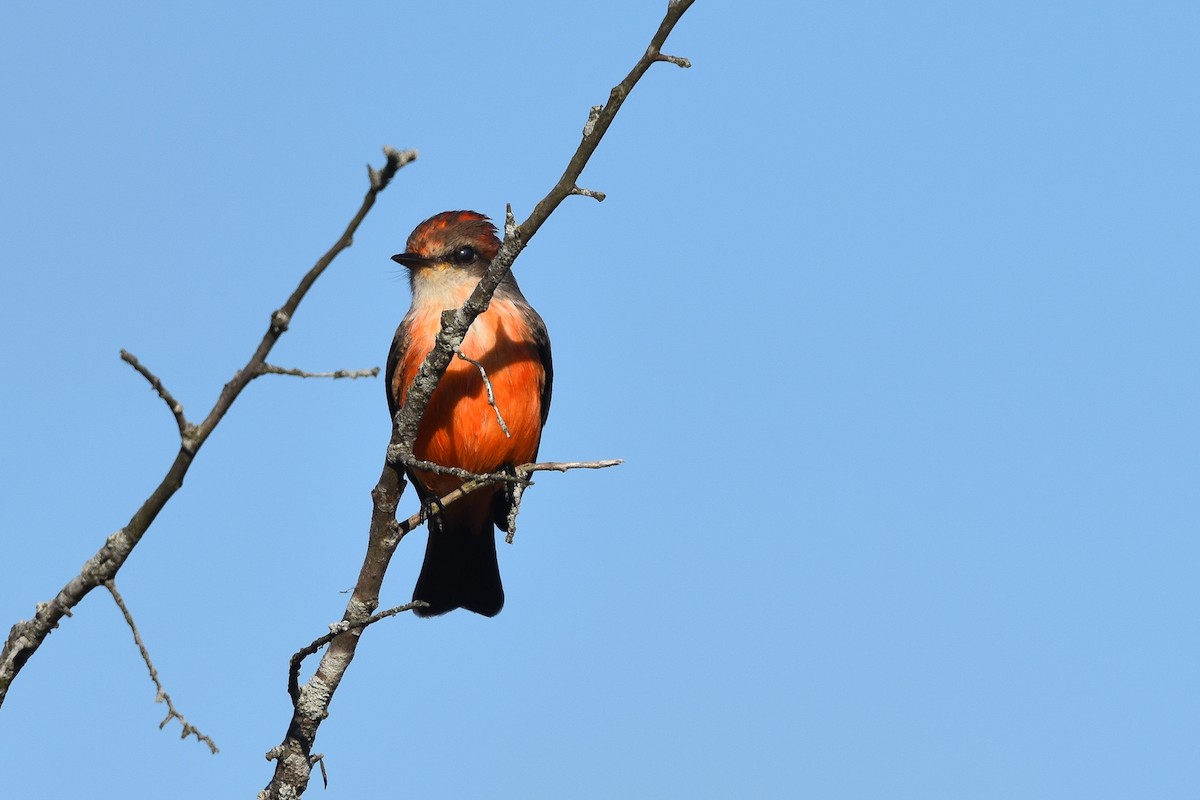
446 255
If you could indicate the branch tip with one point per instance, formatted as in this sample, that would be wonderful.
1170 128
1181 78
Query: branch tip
400 157
678 61
510 222
590 125
395 160
592 193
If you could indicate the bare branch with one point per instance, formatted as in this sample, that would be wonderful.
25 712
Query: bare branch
459 472
563 466
185 427
505 477
395 160
516 237
292 766
26 636
271 369
161 696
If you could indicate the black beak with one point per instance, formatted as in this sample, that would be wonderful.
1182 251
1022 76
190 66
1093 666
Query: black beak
411 260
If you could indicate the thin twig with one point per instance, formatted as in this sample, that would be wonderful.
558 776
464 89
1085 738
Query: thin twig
271 369
319 759
161 696
563 466
459 472
505 477
520 478
336 629
185 427
487 384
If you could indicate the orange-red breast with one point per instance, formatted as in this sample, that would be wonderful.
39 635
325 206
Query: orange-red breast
446 256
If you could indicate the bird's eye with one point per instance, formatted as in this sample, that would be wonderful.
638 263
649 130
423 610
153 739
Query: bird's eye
464 255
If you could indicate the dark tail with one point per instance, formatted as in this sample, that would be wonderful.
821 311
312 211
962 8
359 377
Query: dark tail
460 569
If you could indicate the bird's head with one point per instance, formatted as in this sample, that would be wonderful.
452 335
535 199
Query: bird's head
463 240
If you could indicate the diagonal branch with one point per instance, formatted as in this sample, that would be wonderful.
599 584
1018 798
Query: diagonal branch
516 237
293 757
26 636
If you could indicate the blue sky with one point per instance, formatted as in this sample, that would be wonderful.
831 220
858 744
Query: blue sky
891 311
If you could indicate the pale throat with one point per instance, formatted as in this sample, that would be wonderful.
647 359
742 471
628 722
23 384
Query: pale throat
440 288
437 289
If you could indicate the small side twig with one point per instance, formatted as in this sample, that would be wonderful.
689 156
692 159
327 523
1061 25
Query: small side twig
506 477
487 384
336 629
319 759
592 193
271 369
458 472
185 427
161 696
678 61
519 478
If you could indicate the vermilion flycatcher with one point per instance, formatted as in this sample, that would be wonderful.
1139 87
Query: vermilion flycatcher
446 256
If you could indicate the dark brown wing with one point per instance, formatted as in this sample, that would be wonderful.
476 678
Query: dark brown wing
502 501
508 289
541 339
399 345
